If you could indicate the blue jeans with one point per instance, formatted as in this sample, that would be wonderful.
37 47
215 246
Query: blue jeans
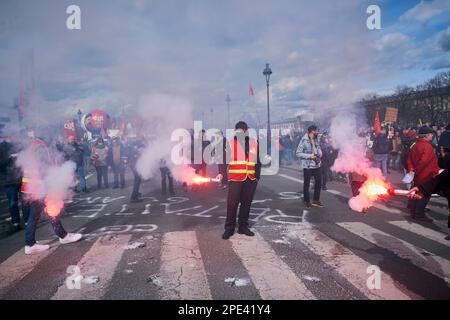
35 209
288 156
12 194
81 178
380 161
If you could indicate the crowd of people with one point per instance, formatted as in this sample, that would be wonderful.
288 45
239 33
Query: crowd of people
421 153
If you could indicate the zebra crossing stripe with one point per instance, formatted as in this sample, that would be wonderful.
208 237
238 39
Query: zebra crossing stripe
347 264
417 256
17 266
183 275
271 276
422 231
290 178
100 261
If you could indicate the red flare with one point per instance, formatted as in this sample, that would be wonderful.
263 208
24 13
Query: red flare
203 180
53 207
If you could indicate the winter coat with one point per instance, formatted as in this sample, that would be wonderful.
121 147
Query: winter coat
444 162
304 151
423 161
444 140
100 155
10 174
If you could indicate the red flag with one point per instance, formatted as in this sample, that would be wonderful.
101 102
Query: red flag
250 90
377 124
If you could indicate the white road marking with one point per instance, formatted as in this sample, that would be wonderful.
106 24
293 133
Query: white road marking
290 178
423 231
417 256
17 266
100 261
347 264
183 275
271 276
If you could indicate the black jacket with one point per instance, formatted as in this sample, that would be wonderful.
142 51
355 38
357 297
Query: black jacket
439 183
382 145
10 174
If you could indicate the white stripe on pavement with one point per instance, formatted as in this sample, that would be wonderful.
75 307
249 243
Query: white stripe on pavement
100 261
290 178
347 264
271 276
183 275
417 256
335 192
422 231
17 266
387 209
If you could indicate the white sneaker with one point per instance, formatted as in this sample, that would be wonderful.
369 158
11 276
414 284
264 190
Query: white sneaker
36 248
70 237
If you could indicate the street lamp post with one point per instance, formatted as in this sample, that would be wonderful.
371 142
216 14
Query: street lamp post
267 72
228 100
212 118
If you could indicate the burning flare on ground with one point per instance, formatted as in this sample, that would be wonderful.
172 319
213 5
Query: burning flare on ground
187 175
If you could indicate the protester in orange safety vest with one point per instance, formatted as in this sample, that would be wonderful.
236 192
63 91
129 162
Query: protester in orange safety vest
243 175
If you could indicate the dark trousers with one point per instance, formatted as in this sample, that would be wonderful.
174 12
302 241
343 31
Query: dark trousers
102 174
119 171
417 207
35 209
12 194
136 184
224 172
307 174
326 173
166 175
239 192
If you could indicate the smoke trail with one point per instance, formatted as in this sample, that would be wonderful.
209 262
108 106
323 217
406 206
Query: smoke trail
345 129
163 114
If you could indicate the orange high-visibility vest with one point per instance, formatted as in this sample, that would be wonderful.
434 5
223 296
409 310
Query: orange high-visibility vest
242 166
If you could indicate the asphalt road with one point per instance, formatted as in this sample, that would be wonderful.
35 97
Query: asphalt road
171 248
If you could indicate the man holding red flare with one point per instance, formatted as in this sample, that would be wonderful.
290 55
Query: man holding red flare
244 172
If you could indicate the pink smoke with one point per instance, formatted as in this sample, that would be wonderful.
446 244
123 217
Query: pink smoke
352 159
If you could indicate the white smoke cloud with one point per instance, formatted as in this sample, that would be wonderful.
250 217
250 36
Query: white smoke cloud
48 178
163 114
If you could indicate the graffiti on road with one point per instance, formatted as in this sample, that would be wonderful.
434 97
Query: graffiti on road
93 207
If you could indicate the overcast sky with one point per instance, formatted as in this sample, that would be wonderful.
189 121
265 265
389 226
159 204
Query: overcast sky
321 52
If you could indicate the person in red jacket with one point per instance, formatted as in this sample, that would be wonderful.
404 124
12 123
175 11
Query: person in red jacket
423 162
